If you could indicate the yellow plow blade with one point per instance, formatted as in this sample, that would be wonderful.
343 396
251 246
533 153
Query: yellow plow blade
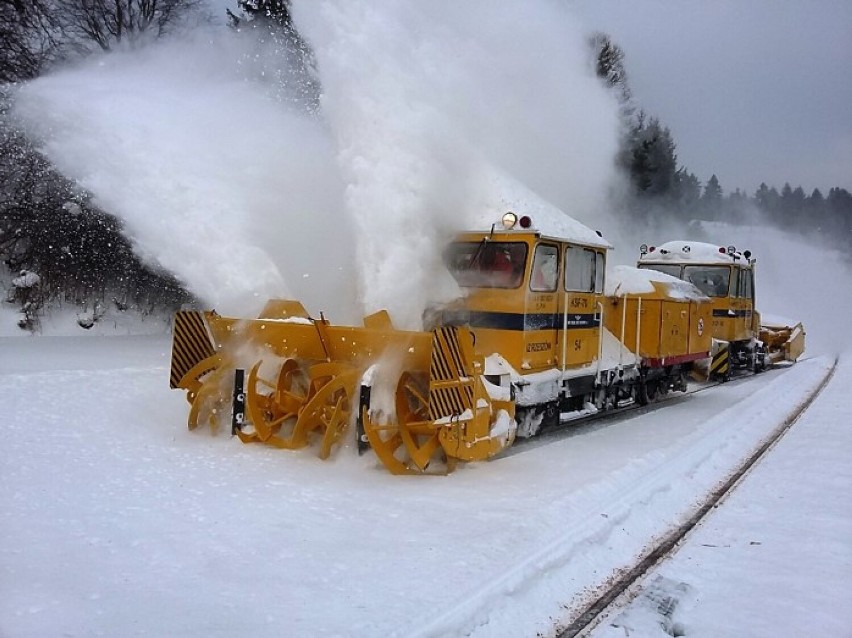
783 342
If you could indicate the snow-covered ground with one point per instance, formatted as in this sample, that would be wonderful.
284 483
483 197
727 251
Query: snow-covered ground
118 521
776 558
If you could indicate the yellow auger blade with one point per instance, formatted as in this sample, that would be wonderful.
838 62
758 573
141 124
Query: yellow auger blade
440 417
311 397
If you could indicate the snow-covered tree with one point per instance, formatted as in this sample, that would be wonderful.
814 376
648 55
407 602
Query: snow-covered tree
609 65
651 158
712 192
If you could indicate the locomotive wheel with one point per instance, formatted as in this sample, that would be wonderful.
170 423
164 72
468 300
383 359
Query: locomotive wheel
407 445
647 392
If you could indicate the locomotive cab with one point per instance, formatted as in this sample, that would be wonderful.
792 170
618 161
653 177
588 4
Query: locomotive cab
534 298
726 276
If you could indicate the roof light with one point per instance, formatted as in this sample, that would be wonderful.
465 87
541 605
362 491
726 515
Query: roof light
525 221
686 249
747 254
651 249
731 250
509 220
643 249
722 249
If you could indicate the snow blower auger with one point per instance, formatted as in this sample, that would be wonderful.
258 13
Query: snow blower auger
439 416
302 379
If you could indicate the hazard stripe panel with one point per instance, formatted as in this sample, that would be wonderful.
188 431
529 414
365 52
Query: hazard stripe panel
451 386
190 344
720 362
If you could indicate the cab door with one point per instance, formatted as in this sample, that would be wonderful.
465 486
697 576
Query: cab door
580 320
746 294
541 318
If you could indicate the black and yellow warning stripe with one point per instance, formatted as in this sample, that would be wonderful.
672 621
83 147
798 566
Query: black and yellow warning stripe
721 362
451 383
190 344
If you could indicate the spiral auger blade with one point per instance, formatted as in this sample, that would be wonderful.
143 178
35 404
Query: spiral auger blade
439 417
292 381
307 402
203 384
406 441
270 405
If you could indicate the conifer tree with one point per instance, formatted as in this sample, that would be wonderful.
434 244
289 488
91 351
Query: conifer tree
294 66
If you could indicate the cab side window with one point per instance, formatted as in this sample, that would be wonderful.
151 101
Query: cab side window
747 288
600 269
545 268
581 269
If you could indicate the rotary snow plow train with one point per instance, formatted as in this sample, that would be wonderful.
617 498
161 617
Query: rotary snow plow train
534 341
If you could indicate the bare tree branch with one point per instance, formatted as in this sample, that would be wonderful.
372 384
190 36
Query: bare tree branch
106 23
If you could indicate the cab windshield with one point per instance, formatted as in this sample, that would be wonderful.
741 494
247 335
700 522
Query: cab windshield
487 264
713 281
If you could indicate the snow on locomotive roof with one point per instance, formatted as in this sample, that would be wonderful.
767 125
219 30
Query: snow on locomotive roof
627 280
681 251
508 194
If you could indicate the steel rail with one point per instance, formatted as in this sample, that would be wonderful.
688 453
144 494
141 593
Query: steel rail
591 612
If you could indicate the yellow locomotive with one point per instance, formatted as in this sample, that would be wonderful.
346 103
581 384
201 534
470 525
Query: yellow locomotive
539 335
726 276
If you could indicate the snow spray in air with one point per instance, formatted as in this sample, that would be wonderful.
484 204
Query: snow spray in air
423 103
428 100
232 191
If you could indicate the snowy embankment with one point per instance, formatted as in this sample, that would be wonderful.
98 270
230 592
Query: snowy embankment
117 521
774 559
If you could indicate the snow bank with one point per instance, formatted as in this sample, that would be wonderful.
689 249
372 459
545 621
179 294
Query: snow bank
784 530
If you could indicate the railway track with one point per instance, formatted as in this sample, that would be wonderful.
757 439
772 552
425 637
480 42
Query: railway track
588 616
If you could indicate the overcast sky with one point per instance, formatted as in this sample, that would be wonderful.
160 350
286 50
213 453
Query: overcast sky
752 90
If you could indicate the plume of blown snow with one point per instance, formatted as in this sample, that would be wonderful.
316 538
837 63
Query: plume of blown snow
423 104
213 179
428 100
797 279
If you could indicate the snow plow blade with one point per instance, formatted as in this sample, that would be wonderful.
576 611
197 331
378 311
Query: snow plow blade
783 342
292 381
